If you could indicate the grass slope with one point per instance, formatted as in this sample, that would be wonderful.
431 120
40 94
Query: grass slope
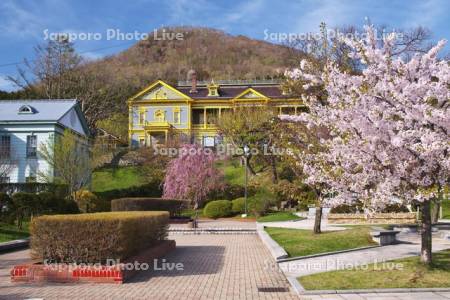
232 171
298 242
116 178
400 273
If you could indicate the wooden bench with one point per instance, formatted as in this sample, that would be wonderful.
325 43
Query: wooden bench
384 237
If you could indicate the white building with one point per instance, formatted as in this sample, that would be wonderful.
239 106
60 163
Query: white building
24 125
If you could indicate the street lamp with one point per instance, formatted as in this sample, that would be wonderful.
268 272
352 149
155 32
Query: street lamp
246 154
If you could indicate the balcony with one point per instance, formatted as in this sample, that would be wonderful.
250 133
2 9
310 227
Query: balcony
204 126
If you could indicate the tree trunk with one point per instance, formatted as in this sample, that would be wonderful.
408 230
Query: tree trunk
425 253
435 211
318 219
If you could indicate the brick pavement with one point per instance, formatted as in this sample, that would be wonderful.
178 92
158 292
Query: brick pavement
215 267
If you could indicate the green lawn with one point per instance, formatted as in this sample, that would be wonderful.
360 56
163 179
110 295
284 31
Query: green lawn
279 216
10 232
298 242
116 178
446 209
400 273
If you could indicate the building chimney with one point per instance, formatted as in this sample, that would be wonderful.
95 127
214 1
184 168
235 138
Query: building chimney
192 76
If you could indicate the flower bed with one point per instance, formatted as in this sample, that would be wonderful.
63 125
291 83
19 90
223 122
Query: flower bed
377 218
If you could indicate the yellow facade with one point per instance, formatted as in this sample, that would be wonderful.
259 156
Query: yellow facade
162 109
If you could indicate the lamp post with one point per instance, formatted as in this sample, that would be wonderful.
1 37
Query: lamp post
246 154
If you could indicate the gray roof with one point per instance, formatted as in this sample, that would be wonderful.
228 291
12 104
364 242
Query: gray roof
44 110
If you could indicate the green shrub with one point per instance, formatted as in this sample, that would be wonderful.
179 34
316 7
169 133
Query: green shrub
152 190
230 192
174 207
395 208
86 201
238 206
217 209
95 237
51 203
347 208
5 201
260 203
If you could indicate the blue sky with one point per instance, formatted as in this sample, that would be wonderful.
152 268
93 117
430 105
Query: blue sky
22 22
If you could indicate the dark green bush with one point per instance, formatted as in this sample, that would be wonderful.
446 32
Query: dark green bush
395 208
347 208
93 238
238 206
34 187
152 190
230 192
174 207
261 202
218 209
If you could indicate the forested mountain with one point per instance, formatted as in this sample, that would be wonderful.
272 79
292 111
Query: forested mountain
104 85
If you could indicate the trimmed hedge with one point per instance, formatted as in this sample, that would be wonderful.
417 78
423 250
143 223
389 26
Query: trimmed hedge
217 209
152 189
96 237
238 206
174 207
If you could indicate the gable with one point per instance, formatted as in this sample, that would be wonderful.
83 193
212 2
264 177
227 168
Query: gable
72 121
159 91
250 94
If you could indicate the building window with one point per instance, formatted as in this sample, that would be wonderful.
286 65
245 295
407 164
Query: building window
26 109
142 142
198 116
176 116
287 110
5 146
30 179
160 116
142 117
31 146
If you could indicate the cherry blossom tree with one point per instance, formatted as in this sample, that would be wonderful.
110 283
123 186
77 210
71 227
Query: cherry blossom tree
389 126
192 175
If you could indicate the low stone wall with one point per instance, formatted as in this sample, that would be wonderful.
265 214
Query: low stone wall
378 218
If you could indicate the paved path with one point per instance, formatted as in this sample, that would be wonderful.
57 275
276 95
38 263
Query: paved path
215 267
410 246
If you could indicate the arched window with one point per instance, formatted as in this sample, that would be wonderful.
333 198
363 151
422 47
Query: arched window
26 109
160 116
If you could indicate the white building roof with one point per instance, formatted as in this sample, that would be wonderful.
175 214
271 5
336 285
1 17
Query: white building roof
42 110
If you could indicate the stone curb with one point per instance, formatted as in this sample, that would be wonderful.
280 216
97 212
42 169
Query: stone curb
211 231
364 291
325 254
300 290
13 245
296 286
274 249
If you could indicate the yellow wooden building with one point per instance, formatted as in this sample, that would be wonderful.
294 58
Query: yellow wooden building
190 109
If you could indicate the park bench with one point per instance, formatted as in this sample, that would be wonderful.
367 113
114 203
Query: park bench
384 237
